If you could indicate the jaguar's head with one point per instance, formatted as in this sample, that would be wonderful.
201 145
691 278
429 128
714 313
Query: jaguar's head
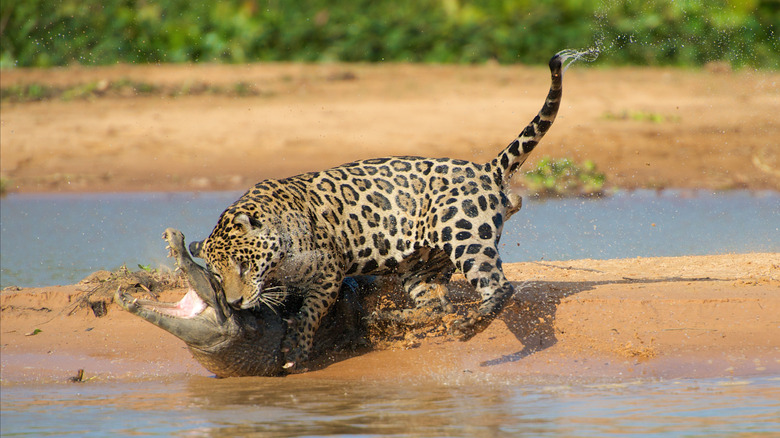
241 252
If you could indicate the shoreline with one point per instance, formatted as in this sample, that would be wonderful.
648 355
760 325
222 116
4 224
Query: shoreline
614 320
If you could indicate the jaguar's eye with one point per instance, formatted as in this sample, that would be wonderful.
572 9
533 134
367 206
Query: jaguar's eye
243 268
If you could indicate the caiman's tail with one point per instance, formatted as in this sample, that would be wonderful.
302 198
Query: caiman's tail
511 158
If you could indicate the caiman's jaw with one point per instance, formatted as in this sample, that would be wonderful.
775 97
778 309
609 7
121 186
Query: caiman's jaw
236 342
190 319
202 317
189 307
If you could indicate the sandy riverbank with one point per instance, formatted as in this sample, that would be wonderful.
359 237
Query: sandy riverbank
706 316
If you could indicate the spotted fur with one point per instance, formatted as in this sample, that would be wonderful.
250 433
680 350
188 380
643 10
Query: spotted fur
418 218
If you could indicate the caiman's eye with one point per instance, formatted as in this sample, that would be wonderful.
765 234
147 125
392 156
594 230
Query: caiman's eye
214 273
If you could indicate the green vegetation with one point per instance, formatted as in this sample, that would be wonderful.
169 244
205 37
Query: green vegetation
41 33
5 183
641 116
563 177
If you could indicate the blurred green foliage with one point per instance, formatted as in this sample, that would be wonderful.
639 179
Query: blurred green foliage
563 177
663 32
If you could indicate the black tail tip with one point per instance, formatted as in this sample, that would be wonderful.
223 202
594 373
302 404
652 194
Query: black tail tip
556 62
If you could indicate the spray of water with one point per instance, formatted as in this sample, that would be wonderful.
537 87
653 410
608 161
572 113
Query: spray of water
570 56
691 32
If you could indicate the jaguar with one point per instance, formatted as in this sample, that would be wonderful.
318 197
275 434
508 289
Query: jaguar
419 219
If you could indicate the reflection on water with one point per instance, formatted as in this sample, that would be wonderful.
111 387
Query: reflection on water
202 406
59 239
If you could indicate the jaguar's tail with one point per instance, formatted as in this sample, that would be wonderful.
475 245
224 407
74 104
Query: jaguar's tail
514 155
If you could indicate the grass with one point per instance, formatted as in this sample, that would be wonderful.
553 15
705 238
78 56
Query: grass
564 178
4 184
641 116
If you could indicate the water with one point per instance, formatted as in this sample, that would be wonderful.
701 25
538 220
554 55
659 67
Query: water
60 239
48 239
272 407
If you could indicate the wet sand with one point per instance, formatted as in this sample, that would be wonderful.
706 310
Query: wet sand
704 316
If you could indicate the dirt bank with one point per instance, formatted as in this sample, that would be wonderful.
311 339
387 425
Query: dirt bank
643 127
616 319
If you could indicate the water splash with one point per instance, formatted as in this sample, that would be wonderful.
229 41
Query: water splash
688 33
570 56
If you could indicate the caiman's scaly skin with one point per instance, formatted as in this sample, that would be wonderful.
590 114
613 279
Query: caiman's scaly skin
230 342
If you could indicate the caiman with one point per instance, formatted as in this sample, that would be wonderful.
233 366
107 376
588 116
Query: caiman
233 342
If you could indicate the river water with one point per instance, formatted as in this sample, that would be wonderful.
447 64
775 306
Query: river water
60 239
278 407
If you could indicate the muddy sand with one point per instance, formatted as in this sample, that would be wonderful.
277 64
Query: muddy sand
704 316
614 319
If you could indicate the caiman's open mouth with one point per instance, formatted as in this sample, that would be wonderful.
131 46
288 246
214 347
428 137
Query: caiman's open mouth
203 291
190 306
240 342
226 341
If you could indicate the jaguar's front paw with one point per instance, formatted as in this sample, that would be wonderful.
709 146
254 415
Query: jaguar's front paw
290 340
294 360
291 350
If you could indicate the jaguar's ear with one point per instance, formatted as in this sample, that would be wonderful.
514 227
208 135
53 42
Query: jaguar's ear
243 223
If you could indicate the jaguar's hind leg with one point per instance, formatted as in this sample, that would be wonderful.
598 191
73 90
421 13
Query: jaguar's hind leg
487 277
425 283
